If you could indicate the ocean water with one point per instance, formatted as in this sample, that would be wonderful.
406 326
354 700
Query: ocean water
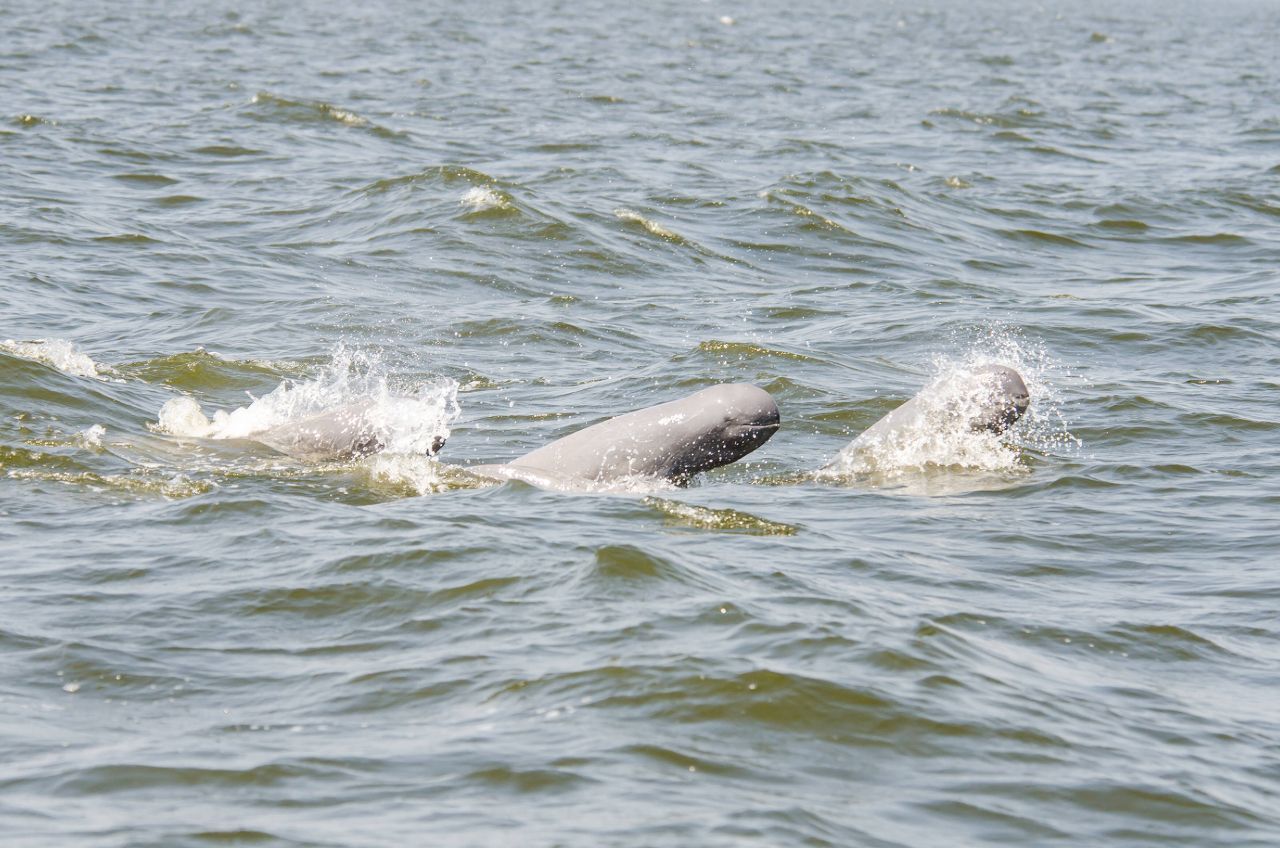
507 221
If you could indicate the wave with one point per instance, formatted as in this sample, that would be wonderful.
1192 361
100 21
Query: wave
59 354
649 225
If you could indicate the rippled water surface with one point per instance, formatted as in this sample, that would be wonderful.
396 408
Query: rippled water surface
513 220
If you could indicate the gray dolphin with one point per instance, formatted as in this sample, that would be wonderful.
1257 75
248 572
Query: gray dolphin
347 432
988 397
671 441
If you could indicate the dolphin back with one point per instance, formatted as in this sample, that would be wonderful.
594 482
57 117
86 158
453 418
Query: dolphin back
671 440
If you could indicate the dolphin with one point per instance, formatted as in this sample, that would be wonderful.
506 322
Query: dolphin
347 432
671 441
988 397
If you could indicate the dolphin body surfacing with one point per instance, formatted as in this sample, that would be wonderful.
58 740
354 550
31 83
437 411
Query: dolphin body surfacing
348 432
988 397
671 441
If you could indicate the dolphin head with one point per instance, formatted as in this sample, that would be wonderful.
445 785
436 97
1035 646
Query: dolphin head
749 412
732 420
1004 398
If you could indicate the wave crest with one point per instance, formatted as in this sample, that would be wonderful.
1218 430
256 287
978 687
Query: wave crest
59 354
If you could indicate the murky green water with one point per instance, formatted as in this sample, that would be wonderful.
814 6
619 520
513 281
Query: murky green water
567 211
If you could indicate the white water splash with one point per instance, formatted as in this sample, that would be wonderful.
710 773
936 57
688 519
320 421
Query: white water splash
1044 428
59 354
480 198
182 416
92 437
407 421
422 475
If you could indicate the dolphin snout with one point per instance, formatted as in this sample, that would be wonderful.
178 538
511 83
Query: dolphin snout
753 415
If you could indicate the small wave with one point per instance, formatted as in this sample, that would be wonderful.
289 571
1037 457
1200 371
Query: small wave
443 173
227 150
503 778
422 201
140 483
206 370
177 200
622 564
1041 237
1050 150
145 179
1010 135
1123 224
678 514
274 107
409 421
864 211
980 118
315 107
651 226
126 238
59 354
805 212
1213 238
24 458
670 758
1020 113
746 350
